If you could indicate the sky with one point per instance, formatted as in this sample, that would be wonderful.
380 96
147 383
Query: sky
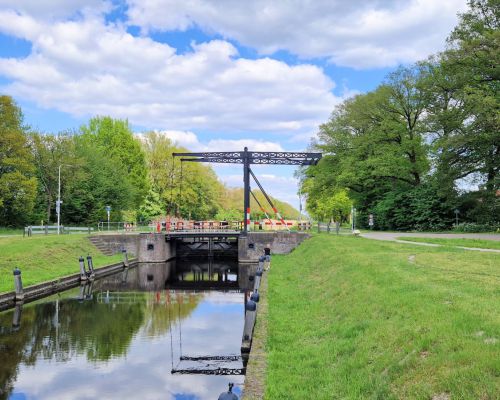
213 75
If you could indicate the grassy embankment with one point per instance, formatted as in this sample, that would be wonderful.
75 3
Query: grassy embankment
42 258
477 243
351 318
10 231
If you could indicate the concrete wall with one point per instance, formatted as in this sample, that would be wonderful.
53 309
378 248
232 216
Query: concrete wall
154 248
116 242
251 247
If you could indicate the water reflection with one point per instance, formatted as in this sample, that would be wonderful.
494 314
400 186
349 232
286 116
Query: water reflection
122 337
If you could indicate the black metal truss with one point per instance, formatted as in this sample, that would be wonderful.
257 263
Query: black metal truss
210 371
254 157
211 358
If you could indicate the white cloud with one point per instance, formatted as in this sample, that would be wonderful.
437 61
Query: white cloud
359 34
190 141
238 145
86 66
54 9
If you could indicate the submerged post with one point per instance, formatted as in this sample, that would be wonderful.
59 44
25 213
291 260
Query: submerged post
16 317
18 285
125 258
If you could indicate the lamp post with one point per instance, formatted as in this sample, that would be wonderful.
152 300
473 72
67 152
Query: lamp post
108 210
58 202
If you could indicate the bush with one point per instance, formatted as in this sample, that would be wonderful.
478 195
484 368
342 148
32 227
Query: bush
470 227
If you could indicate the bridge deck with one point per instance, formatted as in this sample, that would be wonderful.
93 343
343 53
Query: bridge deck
202 233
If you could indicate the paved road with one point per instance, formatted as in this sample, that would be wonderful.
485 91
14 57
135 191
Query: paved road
394 235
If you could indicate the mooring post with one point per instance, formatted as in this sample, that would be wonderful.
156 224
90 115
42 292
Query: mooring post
125 258
18 285
250 314
255 296
91 266
83 273
16 317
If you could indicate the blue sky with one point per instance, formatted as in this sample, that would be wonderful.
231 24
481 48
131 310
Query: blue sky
212 75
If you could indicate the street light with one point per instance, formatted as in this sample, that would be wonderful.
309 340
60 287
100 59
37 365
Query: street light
58 201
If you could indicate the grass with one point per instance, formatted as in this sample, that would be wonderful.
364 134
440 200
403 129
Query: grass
10 231
477 243
352 318
42 258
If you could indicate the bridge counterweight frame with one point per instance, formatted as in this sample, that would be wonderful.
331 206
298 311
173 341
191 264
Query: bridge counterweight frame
246 158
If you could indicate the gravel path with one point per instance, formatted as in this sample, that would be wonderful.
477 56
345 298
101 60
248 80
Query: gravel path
393 236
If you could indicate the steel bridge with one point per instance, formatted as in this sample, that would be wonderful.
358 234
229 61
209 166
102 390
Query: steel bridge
247 158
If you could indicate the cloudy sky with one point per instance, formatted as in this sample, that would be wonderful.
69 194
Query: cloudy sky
211 74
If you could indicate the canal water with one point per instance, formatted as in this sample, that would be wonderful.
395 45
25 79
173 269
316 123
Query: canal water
158 331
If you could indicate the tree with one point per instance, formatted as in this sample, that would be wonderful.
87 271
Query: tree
50 152
99 182
116 141
186 189
17 182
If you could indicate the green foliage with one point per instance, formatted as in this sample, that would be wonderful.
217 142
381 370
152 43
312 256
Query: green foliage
403 149
229 215
469 227
334 206
190 190
17 182
115 139
96 185
50 153
151 207
419 209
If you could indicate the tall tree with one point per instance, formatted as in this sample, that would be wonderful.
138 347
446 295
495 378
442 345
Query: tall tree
17 181
188 189
474 56
116 140
51 153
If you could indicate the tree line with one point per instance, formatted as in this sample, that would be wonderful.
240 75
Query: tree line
104 164
423 148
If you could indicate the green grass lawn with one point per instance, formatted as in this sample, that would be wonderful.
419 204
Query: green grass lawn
478 243
10 231
352 318
42 258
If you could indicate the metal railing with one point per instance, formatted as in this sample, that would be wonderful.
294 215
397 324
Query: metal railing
52 229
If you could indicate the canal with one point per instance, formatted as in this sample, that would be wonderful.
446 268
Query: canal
165 330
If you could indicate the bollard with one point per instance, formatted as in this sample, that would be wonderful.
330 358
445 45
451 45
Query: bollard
83 273
259 271
255 296
251 305
229 395
125 258
262 258
18 285
256 284
91 266
16 318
